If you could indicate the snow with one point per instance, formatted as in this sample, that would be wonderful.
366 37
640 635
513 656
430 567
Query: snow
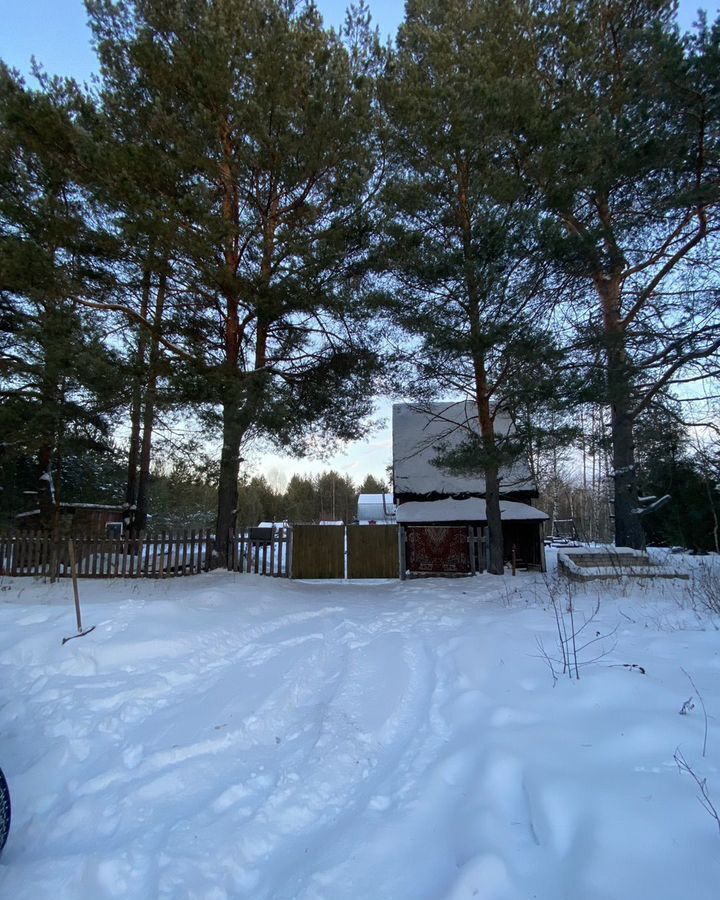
617 562
233 736
471 510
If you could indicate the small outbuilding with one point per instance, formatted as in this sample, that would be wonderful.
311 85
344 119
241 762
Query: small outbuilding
81 518
443 514
376 509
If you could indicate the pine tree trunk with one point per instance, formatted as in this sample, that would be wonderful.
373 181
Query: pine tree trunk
495 565
148 416
628 526
228 481
495 561
132 487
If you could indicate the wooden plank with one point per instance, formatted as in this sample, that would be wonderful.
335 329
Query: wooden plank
272 557
192 551
13 554
184 551
171 565
31 553
93 557
88 544
105 557
20 554
142 555
373 551
161 553
125 551
155 545
318 551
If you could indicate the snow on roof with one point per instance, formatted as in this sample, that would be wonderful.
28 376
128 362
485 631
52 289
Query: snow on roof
105 506
472 510
68 506
376 498
418 433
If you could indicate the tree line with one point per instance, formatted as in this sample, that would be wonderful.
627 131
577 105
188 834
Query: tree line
254 223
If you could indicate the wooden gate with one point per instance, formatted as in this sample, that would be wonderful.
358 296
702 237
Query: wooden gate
438 550
318 551
373 551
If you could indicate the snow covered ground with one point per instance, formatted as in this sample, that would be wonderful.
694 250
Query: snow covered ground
228 736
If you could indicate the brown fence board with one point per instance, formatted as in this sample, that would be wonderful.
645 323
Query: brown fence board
373 551
318 551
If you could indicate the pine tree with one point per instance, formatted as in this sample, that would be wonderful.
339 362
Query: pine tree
267 114
621 138
60 383
461 245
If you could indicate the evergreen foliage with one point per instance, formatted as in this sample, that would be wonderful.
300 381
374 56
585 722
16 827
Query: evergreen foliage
60 379
225 235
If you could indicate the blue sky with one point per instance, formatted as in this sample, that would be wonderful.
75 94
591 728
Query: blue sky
55 32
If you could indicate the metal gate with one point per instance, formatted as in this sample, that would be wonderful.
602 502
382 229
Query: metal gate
373 551
318 551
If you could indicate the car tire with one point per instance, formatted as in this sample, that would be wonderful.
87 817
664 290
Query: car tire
4 810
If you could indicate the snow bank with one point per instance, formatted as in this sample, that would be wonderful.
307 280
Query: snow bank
471 510
228 736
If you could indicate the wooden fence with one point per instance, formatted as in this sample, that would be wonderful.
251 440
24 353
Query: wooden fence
260 555
306 551
318 551
373 551
162 555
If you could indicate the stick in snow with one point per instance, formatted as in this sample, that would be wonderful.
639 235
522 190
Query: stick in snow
73 572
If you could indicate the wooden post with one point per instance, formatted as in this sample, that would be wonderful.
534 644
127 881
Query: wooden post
513 559
73 574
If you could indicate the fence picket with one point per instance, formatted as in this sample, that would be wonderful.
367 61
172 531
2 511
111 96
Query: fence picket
184 552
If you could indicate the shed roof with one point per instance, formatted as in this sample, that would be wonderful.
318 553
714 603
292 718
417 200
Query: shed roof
470 510
418 433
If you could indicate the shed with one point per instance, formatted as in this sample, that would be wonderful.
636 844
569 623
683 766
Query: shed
447 536
443 514
376 509
82 518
